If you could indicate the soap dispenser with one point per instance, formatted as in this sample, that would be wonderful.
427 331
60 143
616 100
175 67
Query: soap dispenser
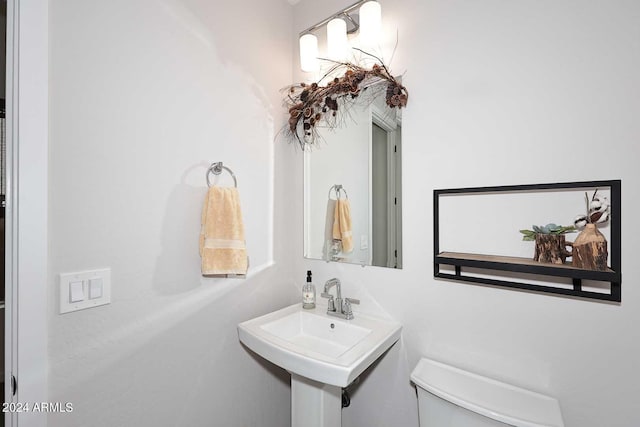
308 293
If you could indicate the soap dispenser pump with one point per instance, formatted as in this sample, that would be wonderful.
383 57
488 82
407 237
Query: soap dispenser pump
308 293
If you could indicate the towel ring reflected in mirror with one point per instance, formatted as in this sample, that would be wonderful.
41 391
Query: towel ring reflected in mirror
216 169
338 188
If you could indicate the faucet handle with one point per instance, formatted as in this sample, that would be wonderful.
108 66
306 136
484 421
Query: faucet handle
330 305
347 311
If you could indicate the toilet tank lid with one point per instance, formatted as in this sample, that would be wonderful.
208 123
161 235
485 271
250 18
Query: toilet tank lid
494 399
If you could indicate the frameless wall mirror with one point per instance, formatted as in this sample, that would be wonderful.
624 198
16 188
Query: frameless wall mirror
360 162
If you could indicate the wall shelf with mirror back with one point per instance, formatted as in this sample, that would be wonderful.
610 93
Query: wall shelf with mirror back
518 272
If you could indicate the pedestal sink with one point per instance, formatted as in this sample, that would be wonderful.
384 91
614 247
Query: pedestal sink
322 353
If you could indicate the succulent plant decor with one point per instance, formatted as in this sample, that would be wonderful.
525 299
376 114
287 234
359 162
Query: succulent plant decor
530 235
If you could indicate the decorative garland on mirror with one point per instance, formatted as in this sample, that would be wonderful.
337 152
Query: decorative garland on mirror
312 105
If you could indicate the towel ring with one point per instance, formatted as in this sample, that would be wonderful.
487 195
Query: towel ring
216 169
338 188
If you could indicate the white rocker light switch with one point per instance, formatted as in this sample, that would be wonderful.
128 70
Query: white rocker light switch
76 291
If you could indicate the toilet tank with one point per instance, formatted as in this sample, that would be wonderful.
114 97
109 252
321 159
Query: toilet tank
452 397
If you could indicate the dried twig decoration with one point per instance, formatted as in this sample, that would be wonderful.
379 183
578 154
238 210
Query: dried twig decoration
597 211
312 104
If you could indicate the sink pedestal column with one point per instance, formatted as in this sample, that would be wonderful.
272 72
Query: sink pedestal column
315 404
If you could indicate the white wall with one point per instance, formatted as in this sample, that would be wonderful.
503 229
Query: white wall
505 93
144 95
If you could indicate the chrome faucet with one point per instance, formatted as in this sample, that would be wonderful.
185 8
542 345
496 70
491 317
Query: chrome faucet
338 307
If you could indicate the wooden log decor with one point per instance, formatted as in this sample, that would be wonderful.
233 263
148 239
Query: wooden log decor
551 248
590 249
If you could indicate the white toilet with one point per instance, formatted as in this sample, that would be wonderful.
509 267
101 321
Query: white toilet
452 397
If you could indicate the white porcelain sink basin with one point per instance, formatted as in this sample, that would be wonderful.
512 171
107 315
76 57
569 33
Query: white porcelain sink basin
316 334
317 346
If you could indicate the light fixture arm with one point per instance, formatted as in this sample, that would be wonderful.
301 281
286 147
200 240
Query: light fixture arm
356 24
342 13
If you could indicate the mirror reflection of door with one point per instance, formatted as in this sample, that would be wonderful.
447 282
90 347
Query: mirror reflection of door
385 186
380 195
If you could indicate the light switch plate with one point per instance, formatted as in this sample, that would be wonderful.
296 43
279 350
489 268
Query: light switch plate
364 242
93 294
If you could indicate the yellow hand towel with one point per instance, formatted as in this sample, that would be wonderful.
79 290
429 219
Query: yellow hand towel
222 245
342 224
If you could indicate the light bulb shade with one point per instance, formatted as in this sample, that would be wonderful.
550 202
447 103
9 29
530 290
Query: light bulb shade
370 24
309 53
337 43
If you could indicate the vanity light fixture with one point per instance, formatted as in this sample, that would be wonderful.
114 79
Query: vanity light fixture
363 15
337 43
308 52
370 24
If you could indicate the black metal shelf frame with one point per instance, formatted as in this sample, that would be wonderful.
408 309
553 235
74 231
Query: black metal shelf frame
507 264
